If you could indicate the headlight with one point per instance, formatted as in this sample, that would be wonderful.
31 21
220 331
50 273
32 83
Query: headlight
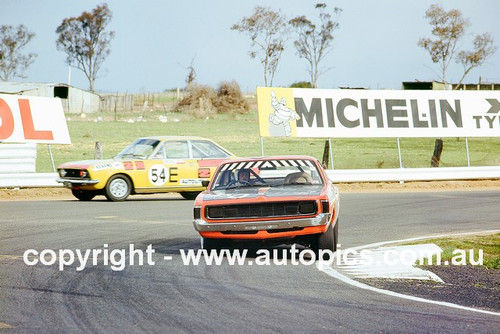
215 212
84 173
62 173
307 208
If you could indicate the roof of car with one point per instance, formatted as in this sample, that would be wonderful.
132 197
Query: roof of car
275 157
176 138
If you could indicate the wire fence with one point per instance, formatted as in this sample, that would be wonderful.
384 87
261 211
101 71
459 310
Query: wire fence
123 102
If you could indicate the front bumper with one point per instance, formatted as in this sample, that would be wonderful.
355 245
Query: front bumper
201 225
70 183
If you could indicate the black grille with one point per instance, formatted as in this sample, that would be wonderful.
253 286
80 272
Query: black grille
260 210
74 173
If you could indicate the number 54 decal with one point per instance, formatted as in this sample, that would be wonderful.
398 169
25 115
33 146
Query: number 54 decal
158 175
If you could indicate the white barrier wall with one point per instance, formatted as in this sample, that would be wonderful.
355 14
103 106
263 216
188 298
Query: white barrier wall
17 158
18 167
414 174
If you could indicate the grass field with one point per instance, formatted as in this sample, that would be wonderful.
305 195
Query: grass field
240 135
488 244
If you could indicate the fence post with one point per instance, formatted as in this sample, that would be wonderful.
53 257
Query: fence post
436 156
98 150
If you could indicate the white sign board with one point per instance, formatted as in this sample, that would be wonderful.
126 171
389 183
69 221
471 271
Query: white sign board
32 119
336 113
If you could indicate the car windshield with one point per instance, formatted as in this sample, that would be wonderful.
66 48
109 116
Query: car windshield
267 172
139 149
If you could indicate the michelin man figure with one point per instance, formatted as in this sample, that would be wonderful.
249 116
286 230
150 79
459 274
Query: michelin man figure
282 115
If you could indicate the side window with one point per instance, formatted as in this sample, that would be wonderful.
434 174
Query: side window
205 149
176 150
161 153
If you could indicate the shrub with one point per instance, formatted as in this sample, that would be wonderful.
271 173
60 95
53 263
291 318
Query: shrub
230 99
301 84
203 101
198 101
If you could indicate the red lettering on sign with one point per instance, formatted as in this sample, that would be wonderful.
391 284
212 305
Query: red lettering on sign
204 172
7 120
28 126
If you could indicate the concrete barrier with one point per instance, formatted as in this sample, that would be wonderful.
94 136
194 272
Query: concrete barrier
414 174
29 180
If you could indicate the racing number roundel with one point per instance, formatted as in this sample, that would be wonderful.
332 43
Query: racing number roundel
158 175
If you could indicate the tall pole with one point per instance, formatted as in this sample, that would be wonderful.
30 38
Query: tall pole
467 151
399 154
51 158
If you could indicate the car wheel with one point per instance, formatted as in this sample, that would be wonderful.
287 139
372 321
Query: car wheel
83 195
189 194
325 241
118 188
209 244
336 236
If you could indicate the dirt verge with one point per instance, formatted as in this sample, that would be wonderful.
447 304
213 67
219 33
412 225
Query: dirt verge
60 193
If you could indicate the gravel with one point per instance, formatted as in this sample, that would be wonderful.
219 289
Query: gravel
471 286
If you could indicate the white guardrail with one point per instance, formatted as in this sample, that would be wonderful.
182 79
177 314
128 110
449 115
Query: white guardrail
414 174
29 180
339 176
18 166
18 162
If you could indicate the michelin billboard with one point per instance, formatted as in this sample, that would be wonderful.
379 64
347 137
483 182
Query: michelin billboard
338 113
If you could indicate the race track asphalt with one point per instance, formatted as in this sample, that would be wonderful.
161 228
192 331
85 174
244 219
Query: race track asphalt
172 297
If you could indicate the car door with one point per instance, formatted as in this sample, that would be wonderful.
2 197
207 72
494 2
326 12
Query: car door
170 168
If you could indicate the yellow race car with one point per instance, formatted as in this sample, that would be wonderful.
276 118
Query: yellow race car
148 165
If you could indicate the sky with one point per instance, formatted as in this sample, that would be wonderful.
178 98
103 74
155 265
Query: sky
156 41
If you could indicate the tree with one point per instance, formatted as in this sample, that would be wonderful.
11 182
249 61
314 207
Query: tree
449 28
13 62
86 41
191 74
268 31
483 49
314 40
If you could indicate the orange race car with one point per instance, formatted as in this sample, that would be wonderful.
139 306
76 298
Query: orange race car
281 199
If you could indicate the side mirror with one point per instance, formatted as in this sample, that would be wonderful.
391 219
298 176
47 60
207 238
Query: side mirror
205 183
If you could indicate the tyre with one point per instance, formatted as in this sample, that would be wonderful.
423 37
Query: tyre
118 188
336 236
325 241
83 195
189 194
209 244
